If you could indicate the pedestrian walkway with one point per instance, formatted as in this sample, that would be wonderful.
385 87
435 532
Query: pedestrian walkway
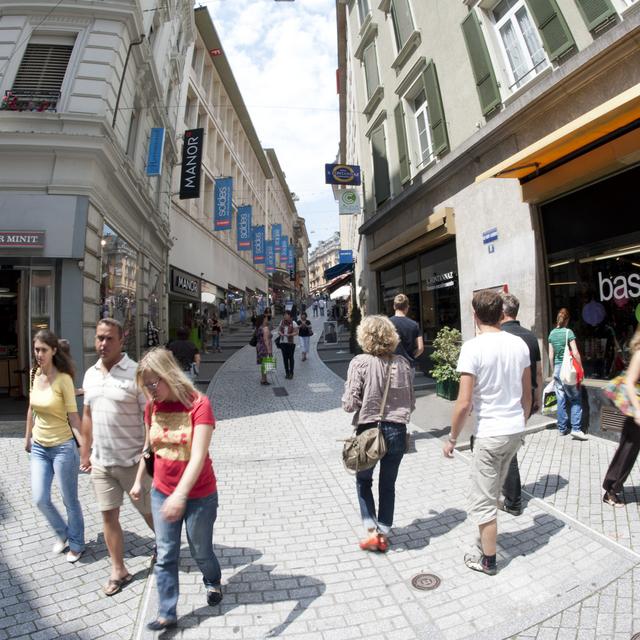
288 527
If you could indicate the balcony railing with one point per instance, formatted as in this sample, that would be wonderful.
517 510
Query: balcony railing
22 101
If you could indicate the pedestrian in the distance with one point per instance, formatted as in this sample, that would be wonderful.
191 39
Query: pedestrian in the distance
52 419
216 332
411 343
314 306
186 353
305 332
496 381
288 331
627 451
264 348
113 427
569 396
363 393
179 423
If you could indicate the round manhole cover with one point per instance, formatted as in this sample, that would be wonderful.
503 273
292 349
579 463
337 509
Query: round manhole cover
635 636
425 581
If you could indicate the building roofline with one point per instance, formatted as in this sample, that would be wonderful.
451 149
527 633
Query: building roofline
207 30
275 164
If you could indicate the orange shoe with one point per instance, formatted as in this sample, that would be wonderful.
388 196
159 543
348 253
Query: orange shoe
370 543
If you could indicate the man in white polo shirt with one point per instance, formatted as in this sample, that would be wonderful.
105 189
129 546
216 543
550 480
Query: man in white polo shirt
496 382
113 423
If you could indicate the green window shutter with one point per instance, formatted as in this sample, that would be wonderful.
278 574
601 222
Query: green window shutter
595 12
437 124
555 34
402 142
486 83
381 185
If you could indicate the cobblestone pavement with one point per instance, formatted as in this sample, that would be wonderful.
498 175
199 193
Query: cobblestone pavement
288 527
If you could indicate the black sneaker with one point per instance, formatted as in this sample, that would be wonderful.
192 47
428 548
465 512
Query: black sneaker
514 512
214 596
611 498
480 563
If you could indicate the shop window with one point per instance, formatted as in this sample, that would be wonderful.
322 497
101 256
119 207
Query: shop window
41 303
155 295
519 41
41 73
390 287
119 285
412 288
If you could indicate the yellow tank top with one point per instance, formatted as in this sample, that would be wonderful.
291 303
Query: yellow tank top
50 407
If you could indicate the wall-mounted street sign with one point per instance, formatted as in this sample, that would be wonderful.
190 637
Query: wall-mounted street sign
191 164
22 239
348 202
490 235
342 174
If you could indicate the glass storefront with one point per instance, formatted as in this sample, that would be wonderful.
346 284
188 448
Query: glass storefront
594 270
119 285
430 281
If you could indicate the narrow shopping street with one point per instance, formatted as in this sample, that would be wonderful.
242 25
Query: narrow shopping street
288 528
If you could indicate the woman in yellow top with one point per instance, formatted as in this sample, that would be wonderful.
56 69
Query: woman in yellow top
49 438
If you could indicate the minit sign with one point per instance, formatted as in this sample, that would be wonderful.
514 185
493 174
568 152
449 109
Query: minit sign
22 239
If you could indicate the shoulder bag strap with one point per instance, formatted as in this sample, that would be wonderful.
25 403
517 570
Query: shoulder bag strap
386 390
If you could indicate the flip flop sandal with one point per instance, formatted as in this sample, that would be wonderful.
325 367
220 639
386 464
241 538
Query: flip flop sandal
115 586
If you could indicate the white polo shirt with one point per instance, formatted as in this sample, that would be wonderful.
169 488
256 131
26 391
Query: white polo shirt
117 409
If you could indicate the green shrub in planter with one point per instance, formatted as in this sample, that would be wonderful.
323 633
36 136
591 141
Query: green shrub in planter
446 351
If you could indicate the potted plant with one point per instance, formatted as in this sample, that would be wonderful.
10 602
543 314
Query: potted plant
446 351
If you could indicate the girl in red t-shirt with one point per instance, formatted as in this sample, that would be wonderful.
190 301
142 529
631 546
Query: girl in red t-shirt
179 423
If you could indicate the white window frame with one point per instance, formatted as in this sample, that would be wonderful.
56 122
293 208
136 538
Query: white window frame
415 150
510 17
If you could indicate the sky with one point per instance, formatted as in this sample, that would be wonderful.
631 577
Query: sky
283 56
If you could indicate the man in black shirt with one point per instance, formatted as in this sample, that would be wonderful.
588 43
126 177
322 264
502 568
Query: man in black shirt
512 488
411 343
186 353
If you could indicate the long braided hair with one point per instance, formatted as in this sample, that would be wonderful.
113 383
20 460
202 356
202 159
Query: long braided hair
61 358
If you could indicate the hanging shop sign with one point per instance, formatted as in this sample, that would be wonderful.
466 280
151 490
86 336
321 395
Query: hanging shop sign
284 248
342 174
185 284
156 151
222 204
244 227
276 235
270 265
22 239
346 256
258 244
191 164
348 202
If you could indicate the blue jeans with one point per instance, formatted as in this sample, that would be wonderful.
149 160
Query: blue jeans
395 439
63 461
215 341
571 396
199 516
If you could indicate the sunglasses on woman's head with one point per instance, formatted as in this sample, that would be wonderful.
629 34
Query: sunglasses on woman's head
152 386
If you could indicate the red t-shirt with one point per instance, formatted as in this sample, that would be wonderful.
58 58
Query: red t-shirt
171 427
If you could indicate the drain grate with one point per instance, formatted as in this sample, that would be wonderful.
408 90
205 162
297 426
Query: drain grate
280 391
425 581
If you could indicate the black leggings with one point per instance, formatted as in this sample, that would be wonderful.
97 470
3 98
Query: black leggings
287 356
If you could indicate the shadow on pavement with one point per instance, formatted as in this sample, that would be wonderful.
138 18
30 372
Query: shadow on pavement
255 583
527 541
546 485
419 533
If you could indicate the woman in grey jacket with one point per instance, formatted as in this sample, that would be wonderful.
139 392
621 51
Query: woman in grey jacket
363 393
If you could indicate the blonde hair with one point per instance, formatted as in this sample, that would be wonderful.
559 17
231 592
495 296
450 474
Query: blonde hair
377 336
634 343
161 362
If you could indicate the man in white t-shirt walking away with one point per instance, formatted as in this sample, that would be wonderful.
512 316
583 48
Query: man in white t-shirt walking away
496 382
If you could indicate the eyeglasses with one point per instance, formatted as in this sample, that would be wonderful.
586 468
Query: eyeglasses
152 386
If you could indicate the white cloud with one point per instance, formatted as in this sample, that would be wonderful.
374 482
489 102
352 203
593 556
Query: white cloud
283 56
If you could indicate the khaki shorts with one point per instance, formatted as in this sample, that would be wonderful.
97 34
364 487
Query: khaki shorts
110 483
489 466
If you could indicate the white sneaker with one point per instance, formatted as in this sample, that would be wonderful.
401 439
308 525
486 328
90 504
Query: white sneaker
579 435
73 556
59 546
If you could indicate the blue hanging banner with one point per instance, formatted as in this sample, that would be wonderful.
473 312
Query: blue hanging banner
276 236
156 152
222 210
271 256
284 248
244 228
291 258
258 244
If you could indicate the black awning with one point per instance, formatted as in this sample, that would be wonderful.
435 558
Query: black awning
338 270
